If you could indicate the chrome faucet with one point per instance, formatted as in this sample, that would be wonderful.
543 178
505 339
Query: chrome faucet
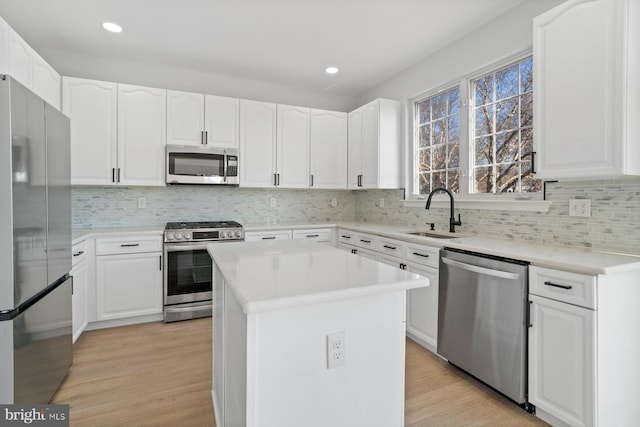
452 220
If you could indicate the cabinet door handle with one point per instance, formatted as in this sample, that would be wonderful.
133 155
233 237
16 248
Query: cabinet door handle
365 241
275 180
422 255
390 247
278 176
345 236
202 137
354 251
206 137
269 238
78 253
529 314
129 245
160 257
311 181
556 285
313 235
113 174
533 162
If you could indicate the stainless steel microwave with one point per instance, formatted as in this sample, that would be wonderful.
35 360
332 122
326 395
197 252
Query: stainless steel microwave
202 165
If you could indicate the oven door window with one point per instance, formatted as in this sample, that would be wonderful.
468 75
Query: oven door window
188 272
196 164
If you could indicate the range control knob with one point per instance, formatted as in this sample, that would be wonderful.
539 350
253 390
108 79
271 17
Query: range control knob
223 234
170 236
238 233
187 236
179 236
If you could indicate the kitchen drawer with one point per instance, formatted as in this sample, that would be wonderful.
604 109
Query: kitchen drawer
78 253
257 236
128 245
348 237
573 288
367 241
425 255
317 234
391 247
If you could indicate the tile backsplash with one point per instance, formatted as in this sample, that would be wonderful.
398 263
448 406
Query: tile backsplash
103 207
614 224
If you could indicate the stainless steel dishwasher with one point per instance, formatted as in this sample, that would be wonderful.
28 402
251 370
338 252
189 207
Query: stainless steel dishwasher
482 309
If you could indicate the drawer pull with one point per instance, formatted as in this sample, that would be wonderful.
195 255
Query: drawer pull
422 255
390 247
558 286
78 253
313 235
129 245
365 241
345 237
269 238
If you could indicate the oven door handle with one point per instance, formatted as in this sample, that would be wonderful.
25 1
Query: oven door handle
182 248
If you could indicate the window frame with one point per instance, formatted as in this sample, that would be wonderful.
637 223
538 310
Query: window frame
479 200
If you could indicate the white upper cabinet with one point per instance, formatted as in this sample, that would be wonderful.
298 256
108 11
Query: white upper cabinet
196 119
92 107
375 145
117 133
292 148
257 144
328 149
586 94
141 135
24 64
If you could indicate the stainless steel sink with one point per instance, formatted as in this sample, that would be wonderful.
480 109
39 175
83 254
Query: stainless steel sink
434 235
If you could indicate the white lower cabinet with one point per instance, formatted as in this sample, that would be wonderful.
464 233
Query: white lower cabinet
562 360
128 284
422 308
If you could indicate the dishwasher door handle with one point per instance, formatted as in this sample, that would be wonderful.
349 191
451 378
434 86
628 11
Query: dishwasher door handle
481 270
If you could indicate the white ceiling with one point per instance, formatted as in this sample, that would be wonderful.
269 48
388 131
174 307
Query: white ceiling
287 42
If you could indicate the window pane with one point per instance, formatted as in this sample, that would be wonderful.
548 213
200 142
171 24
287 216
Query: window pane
424 160
423 108
526 76
483 180
439 106
502 128
437 137
507 114
453 181
483 150
453 156
529 183
424 136
507 147
507 82
526 110
483 117
507 179
483 90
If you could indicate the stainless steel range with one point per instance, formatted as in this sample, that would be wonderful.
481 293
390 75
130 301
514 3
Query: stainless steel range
188 266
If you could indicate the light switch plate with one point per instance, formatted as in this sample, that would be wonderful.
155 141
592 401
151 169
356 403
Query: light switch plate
142 202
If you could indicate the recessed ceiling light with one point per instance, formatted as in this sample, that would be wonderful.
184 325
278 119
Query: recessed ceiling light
331 70
110 26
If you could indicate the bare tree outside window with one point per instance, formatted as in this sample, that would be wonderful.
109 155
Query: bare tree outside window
502 136
437 142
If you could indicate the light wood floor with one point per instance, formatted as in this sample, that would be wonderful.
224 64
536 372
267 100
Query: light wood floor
159 374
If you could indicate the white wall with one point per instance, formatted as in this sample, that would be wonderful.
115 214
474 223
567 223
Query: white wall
506 35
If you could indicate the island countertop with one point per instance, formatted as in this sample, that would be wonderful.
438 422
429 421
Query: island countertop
273 275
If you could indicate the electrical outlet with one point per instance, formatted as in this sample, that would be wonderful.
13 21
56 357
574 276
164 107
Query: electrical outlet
272 202
336 349
334 202
382 202
142 202
580 207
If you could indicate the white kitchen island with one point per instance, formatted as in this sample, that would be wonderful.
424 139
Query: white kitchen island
276 304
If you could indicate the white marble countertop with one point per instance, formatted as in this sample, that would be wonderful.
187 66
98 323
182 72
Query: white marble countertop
273 275
80 234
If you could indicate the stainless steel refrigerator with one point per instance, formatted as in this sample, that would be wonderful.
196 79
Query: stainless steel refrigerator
35 246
